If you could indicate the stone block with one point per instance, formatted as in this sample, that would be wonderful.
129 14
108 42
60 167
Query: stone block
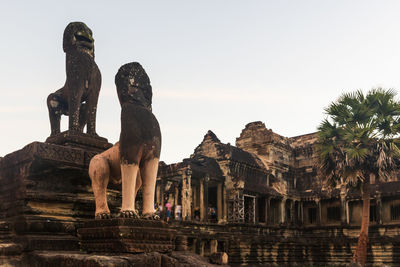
126 235
45 194
220 258
82 140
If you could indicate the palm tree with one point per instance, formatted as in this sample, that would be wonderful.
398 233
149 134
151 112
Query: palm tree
359 139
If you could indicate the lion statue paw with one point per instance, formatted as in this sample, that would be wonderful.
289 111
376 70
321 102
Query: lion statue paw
150 216
102 216
129 214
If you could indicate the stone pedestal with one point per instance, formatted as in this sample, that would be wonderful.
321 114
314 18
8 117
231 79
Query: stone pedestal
82 140
126 235
45 193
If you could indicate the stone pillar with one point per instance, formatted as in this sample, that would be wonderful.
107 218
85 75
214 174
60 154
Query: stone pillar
225 203
158 192
319 210
256 210
213 246
302 212
201 197
267 209
162 186
176 196
186 195
206 180
379 208
343 208
195 195
343 212
201 247
283 212
219 202
292 212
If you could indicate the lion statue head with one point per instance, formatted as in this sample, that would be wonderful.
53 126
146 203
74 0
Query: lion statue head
78 37
133 85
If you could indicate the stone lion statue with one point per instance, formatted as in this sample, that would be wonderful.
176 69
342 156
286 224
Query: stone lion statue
78 98
105 168
138 152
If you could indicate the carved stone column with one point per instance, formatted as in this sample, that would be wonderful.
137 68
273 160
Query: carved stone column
301 217
291 208
267 209
195 193
225 203
283 212
219 202
176 196
213 246
378 208
319 210
343 208
205 204
162 186
186 195
201 197
201 247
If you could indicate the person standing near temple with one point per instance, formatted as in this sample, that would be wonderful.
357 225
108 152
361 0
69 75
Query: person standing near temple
168 209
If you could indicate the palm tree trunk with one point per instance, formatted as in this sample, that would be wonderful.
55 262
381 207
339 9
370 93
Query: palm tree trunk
360 255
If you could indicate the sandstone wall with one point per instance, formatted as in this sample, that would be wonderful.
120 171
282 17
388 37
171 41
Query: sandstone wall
279 246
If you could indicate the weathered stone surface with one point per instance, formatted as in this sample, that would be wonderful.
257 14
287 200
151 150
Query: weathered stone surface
181 243
287 246
80 259
45 194
187 259
126 235
220 258
76 139
10 249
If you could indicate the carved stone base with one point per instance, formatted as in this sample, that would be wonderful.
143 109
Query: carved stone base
45 194
83 140
126 235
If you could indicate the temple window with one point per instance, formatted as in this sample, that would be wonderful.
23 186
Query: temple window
312 215
372 213
333 213
395 212
261 209
249 209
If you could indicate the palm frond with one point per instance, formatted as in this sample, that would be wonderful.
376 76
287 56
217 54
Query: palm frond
359 137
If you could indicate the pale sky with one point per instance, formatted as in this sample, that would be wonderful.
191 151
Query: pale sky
214 65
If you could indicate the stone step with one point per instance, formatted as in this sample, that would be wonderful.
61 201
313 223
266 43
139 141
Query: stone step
8 249
4 226
5 236
5 233
59 242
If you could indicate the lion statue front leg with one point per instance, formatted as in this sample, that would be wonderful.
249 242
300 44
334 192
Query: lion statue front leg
103 168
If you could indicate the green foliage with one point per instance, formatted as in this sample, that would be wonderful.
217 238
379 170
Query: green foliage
360 137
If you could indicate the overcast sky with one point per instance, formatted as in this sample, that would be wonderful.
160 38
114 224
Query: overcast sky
214 65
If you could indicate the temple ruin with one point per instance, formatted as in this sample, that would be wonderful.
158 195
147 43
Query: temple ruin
267 187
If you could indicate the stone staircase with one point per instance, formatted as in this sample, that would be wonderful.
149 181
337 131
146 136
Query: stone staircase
10 252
